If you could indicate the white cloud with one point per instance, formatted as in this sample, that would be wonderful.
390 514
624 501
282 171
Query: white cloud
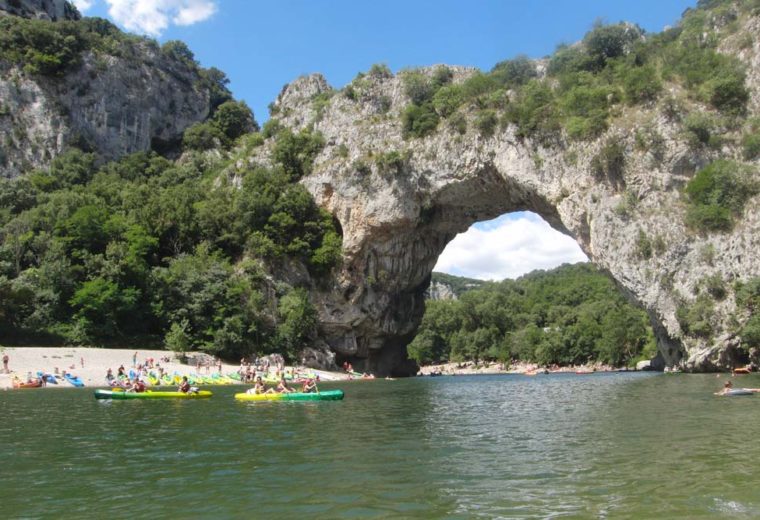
508 247
83 5
194 11
154 16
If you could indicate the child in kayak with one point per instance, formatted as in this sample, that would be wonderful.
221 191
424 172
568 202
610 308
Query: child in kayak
259 388
282 386
184 386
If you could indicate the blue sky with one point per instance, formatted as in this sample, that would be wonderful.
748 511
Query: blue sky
263 45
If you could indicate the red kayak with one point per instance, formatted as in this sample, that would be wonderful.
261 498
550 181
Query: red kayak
30 384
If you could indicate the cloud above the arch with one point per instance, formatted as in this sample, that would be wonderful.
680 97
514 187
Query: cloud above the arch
508 247
153 17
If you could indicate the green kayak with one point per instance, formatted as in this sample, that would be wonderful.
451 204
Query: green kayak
148 394
326 395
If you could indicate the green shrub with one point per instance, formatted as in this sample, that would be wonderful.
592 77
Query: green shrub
203 136
606 42
178 50
418 87
534 112
442 75
728 94
296 152
568 60
696 319
750 332
699 127
748 294
486 122
233 119
458 122
447 100
751 146
419 121
271 128
514 72
392 162
717 194
643 245
609 164
641 84
715 286
380 71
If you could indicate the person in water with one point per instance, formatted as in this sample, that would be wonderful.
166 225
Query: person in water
310 386
727 387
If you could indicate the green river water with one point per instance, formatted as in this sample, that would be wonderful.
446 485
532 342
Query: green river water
621 445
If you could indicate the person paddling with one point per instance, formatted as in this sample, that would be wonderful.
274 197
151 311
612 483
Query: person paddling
310 386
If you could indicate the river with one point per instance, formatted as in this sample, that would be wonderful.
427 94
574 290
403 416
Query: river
617 445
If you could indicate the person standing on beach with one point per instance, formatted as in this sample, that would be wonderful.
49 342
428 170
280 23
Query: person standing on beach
5 363
134 359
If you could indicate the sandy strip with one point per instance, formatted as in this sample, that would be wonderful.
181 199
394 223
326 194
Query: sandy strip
91 364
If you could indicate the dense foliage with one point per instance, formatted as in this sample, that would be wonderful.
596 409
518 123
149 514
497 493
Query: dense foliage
614 65
147 248
717 194
748 300
570 315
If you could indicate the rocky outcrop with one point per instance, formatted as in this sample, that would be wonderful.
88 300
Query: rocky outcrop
52 10
397 220
439 291
138 99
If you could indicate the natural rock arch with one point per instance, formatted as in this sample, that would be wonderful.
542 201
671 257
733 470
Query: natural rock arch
400 201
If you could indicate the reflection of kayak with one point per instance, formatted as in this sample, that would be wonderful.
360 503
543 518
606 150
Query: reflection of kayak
148 394
326 395
74 380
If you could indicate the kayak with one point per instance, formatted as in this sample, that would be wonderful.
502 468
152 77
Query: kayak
148 394
28 384
74 380
326 395
49 378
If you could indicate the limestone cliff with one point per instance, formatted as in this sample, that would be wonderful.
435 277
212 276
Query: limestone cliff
127 95
400 200
41 9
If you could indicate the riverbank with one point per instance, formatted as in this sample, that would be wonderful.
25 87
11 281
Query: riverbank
471 368
91 364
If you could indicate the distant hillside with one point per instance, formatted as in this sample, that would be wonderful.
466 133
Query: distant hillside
569 315
449 287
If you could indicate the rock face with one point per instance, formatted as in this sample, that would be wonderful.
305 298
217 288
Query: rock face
397 220
41 9
439 291
113 104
